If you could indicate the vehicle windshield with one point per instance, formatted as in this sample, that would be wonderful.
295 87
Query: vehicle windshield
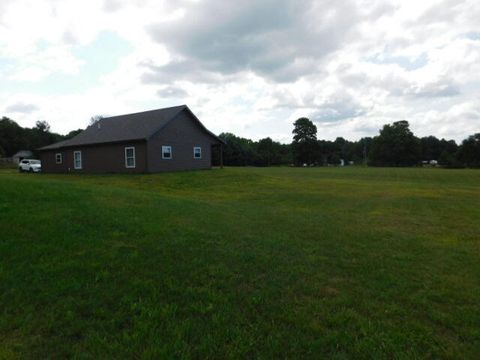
35 162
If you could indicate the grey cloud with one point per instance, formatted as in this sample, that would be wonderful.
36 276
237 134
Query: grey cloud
441 11
69 38
337 108
366 129
112 5
451 14
23 108
177 70
172 92
279 40
378 9
397 85
335 114
443 88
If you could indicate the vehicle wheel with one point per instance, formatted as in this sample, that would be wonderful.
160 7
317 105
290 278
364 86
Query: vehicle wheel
31 170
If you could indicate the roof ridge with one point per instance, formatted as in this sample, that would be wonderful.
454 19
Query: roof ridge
144 112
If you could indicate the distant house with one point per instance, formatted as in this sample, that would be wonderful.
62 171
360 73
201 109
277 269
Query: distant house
169 139
20 155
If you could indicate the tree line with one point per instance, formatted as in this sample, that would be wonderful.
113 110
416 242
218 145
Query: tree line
395 145
14 138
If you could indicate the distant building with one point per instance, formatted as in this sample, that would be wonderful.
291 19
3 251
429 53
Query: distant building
167 139
20 155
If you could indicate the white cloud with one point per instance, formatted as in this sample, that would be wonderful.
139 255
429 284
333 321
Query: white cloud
252 67
39 65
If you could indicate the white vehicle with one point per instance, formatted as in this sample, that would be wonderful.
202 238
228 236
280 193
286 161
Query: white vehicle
30 165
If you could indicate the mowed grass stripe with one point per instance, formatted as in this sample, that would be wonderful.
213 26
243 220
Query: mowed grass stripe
240 263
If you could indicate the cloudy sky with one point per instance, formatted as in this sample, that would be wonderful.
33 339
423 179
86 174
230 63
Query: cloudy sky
250 67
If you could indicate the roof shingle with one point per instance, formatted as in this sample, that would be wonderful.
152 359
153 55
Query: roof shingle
137 126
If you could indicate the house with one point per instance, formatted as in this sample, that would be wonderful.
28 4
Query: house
169 139
20 155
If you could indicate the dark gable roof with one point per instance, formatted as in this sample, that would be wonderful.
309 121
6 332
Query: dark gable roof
137 126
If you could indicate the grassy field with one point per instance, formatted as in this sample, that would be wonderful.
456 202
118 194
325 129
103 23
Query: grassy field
241 263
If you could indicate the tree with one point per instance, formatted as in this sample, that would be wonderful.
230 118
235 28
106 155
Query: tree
40 135
431 148
42 126
72 134
265 151
361 150
327 153
244 152
304 143
238 151
395 146
12 137
449 160
94 119
304 130
469 151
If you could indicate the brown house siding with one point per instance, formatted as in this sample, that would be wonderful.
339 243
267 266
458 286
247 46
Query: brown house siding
101 158
182 134
102 145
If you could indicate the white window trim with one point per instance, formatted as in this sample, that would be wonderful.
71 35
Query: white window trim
75 162
195 148
57 157
171 152
126 158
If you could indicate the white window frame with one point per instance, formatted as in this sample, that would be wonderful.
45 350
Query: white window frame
58 158
164 147
132 157
194 152
75 160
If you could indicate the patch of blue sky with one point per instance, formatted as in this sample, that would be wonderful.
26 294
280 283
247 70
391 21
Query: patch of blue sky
405 62
5 64
473 35
100 57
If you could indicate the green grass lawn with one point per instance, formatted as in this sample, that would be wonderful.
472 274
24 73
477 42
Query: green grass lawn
243 263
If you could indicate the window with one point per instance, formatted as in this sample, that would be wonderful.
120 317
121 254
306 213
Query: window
77 160
58 158
166 152
130 157
197 152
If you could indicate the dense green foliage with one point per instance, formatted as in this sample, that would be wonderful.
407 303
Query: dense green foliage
469 152
396 145
345 263
13 137
432 148
305 144
239 151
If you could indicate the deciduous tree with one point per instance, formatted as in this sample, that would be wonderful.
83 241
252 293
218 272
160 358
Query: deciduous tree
395 146
304 143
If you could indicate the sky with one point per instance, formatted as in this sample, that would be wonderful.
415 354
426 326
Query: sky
249 67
